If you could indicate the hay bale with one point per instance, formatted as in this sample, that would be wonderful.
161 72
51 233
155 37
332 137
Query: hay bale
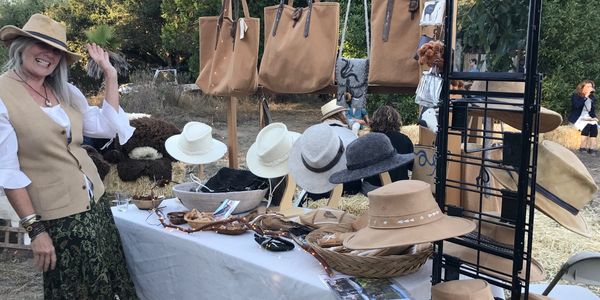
565 135
412 131
142 185
356 204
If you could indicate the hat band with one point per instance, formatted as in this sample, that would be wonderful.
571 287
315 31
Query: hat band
557 200
330 165
366 163
46 37
274 162
382 222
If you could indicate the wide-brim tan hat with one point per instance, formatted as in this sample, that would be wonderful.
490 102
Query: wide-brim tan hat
195 145
268 156
405 213
44 29
331 108
470 289
317 154
495 236
563 186
510 111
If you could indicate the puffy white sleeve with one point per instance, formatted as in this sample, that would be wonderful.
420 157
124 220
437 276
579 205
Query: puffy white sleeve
11 176
104 122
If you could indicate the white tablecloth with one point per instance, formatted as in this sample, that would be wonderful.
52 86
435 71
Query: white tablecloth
169 264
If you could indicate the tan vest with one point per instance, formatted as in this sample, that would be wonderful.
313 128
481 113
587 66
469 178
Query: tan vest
55 168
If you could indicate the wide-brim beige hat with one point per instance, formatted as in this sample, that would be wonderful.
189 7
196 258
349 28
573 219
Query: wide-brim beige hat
563 186
195 145
470 289
331 108
268 156
44 29
510 111
405 213
317 154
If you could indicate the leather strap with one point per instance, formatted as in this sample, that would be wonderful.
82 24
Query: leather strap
307 23
388 20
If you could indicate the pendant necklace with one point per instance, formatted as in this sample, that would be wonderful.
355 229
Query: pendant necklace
46 100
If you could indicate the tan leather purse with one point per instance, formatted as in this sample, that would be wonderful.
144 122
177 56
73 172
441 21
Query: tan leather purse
229 53
300 47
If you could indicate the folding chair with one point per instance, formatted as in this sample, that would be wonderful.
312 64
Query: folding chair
583 268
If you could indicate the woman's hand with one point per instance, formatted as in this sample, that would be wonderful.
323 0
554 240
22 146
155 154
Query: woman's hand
102 59
44 257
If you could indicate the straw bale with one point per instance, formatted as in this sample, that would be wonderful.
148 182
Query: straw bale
356 204
142 185
565 135
412 131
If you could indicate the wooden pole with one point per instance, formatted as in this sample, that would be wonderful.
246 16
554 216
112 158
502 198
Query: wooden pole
232 145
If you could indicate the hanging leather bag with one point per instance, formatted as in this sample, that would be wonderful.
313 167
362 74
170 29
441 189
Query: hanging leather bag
395 36
229 53
300 47
351 74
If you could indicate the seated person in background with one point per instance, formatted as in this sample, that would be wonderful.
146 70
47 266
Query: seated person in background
456 85
583 116
387 121
357 115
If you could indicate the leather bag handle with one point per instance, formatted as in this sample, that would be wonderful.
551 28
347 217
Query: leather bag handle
297 15
226 9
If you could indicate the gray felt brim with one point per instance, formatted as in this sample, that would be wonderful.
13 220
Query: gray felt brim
396 161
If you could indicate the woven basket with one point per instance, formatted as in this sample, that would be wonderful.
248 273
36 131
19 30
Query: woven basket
147 204
370 266
249 200
195 223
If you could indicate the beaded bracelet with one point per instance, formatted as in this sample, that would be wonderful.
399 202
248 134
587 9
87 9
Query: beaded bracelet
273 243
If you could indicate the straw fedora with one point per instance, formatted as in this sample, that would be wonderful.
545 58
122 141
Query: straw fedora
563 186
510 111
331 108
500 238
370 155
470 289
317 154
195 145
268 156
405 213
41 28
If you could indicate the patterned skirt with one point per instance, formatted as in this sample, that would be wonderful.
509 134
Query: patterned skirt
90 262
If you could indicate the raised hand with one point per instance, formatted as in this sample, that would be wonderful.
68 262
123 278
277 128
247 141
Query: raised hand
101 57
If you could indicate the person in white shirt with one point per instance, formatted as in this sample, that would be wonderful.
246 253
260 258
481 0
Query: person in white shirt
47 177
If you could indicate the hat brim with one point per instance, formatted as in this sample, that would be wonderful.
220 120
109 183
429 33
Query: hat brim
513 115
398 160
261 170
311 181
217 152
333 112
9 32
575 223
444 228
493 262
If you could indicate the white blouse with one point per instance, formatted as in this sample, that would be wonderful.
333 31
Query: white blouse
98 122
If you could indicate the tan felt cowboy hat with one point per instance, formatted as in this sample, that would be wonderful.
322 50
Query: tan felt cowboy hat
331 108
510 111
404 213
470 289
44 29
500 238
268 156
564 186
195 145
317 154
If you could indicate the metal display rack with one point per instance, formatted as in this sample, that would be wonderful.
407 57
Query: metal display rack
519 157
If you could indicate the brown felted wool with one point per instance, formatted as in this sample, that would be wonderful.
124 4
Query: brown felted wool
113 156
150 132
102 165
470 289
132 169
561 175
405 213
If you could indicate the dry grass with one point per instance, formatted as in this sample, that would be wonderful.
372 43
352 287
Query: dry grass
18 280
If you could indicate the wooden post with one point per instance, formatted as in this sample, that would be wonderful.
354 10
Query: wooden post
286 206
385 178
336 196
232 145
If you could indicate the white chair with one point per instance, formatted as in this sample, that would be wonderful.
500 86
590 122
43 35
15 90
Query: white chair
584 268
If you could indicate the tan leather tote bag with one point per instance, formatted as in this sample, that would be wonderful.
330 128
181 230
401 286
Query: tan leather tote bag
229 53
394 38
300 47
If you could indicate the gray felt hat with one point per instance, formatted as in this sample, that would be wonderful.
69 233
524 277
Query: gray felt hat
370 155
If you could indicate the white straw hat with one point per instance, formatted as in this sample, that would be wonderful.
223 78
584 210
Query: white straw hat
268 156
195 145
331 108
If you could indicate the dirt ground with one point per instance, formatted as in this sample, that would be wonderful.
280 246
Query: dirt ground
18 280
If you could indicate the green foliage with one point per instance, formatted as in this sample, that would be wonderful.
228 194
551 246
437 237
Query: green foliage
355 45
495 28
104 36
404 104
569 52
